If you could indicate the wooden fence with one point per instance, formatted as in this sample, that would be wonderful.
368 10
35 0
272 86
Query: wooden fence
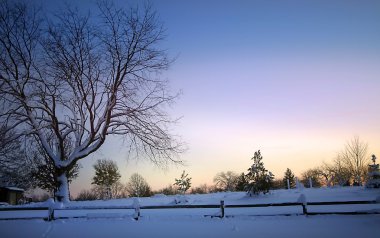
222 206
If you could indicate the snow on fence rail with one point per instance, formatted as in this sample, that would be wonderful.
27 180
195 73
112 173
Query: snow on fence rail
137 209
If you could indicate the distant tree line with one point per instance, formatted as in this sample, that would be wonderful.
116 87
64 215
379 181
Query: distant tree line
107 185
348 168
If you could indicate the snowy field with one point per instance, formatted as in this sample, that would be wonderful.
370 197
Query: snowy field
239 222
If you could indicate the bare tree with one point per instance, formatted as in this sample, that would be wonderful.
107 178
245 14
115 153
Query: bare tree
201 189
85 79
116 190
86 195
355 156
119 190
226 181
340 171
349 165
15 168
25 164
315 175
138 187
9 146
168 190
43 170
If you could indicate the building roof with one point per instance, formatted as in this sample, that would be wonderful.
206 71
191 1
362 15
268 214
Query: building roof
14 189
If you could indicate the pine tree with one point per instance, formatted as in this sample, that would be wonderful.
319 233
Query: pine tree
242 183
259 179
183 183
373 174
289 175
106 174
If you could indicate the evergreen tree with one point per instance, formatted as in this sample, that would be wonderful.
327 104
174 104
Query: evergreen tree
289 175
259 179
15 167
374 174
242 183
43 176
106 174
183 183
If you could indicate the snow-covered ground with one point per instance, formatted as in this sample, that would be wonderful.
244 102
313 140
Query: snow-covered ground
240 222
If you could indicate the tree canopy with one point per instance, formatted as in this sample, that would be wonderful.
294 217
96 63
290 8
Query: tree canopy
84 77
106 175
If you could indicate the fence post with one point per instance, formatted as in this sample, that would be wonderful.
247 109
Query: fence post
136 204
137 213
304 208
221 208
51 213
287 183
302 200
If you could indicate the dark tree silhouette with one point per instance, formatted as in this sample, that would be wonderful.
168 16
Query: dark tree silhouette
106 175
259 179
289 176
226 181
138 187
183 183
356 158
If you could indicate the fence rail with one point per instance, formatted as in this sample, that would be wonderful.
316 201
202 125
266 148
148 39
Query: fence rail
137 209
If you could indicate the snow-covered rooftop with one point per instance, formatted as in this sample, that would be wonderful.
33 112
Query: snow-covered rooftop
15 189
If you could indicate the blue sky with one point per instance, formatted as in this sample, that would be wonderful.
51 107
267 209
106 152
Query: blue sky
296 79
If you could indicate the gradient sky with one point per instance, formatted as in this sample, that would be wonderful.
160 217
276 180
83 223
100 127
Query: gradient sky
295 79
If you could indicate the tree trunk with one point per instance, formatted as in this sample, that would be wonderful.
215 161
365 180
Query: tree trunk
62 193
